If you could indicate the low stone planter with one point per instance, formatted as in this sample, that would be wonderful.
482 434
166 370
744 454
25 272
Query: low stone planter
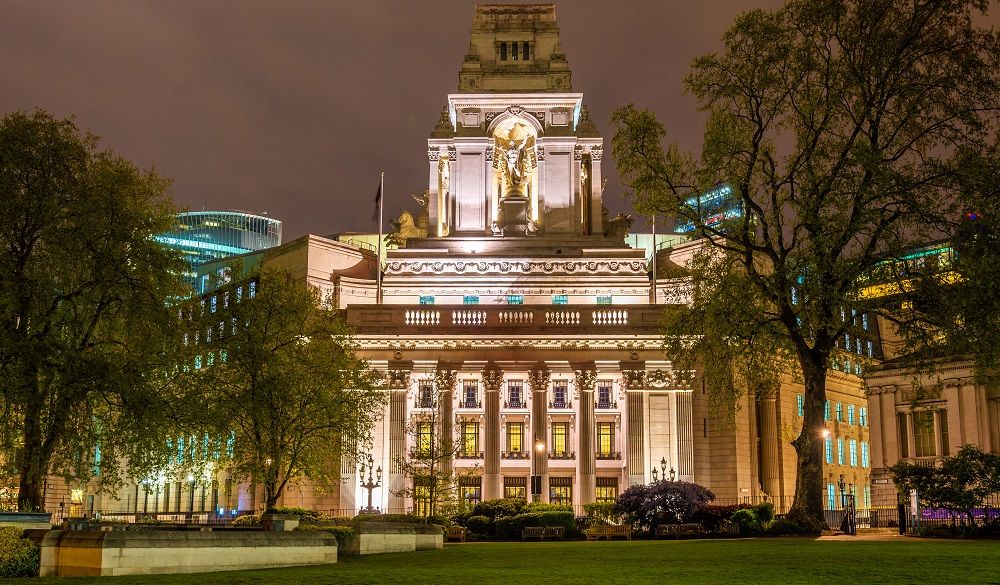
120 552
26 520
279 522
386 537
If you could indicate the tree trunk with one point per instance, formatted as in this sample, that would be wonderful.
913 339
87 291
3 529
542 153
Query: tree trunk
807 508
33 465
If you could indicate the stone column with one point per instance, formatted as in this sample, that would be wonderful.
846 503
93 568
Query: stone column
685 437
444 383
596 183
633 381
538 379
769 452
586 377
492 381
399 385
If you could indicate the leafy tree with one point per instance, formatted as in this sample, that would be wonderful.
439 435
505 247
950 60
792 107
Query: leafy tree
433 481
661 502
279 377
961 482
85 332
842 130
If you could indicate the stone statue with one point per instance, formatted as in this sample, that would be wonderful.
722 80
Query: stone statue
514 155
406 226
618 227
423 219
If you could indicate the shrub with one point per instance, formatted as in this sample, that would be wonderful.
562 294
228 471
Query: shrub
784 526
19 557
601 513
500 508
461 518
764 512
747 521
711 516
406 518
343 534
649 505
301 512
540 507
480 525
510 527
247 520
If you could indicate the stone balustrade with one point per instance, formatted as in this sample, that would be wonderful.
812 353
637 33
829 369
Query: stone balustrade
504 318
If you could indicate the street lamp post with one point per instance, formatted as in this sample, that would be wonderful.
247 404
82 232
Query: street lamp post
371 483
536 478
667 476
848 525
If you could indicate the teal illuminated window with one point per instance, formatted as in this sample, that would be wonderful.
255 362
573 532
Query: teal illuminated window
864 454
863 416
427 299
800 404
831 497
826 410
470 300
604 300
515 299
850 414
828 444
560 299
840 451
854 453
840 412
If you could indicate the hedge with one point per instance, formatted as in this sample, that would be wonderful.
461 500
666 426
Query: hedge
510 528
19 557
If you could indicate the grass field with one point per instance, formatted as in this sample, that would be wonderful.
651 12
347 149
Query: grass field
782 560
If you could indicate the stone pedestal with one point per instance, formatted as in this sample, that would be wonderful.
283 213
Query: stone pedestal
514 216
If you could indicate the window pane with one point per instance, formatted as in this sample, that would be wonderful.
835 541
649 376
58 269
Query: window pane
923 433
904 438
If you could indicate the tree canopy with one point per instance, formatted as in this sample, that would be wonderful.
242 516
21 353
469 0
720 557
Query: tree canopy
839 133
277 377
84 325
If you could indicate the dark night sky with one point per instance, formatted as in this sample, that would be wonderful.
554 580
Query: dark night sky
293 107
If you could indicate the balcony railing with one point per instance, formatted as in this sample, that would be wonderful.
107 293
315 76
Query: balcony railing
421 403
466 403
609 455
462 317
562 455
514 455
609 405
561 403
515 404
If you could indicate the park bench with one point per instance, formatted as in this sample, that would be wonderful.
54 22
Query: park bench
678 530
606 532
455 533
542 532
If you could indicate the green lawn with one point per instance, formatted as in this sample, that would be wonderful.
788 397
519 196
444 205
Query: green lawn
783 560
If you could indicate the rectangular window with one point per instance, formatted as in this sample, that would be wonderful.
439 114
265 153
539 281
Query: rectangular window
524 51
826 410
871 349
854 453
425 434
559 394
800 406
904 435
828 446
561 491
470 439
421 498
864 323
513 51
865 460
868 496
470 300
943 425
606 491
850 414
252 290
604 388
425 394
840 451
923 434
503 51
239 294
213 304
863 416
426 299
560 439
515 487
605 439
604 300
515 299
840 412
470 394
515 437
831 497
560 299
470 492
515 394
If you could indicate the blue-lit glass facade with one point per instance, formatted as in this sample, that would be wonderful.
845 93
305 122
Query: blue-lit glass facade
203 236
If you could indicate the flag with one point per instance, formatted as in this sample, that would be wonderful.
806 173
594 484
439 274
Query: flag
378 201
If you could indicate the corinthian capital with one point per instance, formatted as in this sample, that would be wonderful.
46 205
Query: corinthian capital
492 377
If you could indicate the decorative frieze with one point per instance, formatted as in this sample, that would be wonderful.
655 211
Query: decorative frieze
634 379
519 267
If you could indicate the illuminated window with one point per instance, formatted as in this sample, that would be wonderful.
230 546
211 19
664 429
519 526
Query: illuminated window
826 410
863 416
605 439
923 433
840 451
425 394
560 439
559 394
800 404
425 433
850 414
470 492
515 394
470 439
854 452
604 394
515 299
426 299
831 497
604 300
421 497
515 487
560 299
213 303
561 491
840 412
470 300
515 437
828 447
470 394
606 491
865 458
252 289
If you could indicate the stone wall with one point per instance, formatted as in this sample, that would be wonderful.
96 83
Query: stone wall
385 537
93 553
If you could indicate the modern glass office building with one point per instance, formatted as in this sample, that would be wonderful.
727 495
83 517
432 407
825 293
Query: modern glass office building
210 235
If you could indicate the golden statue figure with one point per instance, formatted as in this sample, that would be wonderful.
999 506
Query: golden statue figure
514 155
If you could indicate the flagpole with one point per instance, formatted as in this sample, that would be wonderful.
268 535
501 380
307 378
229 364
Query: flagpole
378 257
654 258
